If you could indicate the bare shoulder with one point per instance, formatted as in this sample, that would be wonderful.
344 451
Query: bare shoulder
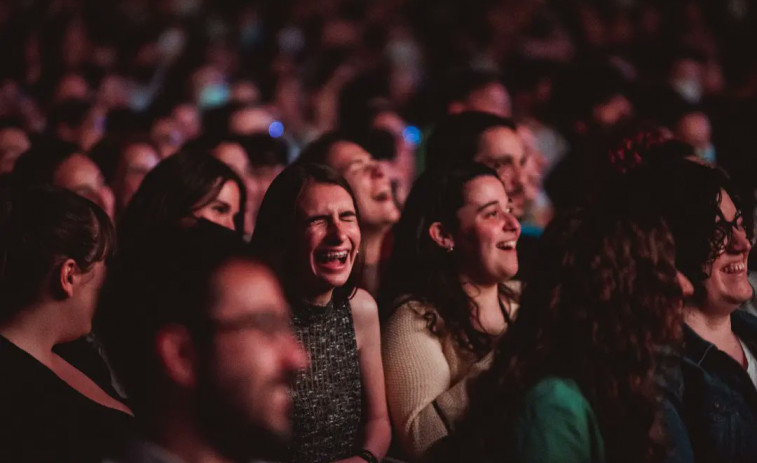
364 308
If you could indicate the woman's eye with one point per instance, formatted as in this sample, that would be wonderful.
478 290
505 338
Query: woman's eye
493 213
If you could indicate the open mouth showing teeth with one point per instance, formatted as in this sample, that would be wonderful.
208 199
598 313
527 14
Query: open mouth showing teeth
734 268
507 245
324 257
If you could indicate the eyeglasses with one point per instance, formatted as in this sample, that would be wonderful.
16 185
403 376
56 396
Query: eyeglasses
724 230
268 322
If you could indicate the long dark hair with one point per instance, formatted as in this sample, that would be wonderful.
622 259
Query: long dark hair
173 190
272 240
421 270
39 229
605 308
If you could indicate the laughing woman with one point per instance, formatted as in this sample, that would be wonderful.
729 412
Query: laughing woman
454 250
308 230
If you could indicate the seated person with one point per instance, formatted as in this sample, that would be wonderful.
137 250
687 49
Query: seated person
54 248
455 248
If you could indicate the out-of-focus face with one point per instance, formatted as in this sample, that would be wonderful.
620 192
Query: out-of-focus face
254 357
327 239
167 134
188 120
492 98
485 243
13 142
223 208
137 161
234 156
533 166
613 111
694 128
249 121
81 175
502 149
728 287
401 170
369 183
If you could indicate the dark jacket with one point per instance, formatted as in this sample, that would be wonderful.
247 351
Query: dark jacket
715 400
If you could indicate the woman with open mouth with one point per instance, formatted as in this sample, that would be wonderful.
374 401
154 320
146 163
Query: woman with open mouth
454 250
308 230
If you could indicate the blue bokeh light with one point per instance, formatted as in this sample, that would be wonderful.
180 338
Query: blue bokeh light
412 135
276 129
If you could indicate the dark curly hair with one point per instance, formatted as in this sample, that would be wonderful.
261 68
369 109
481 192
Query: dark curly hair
687 194
603 310
421 270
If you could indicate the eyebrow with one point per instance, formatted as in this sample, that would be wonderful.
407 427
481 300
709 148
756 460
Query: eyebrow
490 203
352 163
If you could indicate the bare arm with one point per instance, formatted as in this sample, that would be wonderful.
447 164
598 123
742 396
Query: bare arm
376 429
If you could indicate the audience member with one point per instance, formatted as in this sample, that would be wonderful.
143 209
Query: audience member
55 245
308 230
481 137
185 186
373 193
124 164
715 400
574 379
454 250
53 162
200 336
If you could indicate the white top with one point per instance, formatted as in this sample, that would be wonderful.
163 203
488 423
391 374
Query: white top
751 361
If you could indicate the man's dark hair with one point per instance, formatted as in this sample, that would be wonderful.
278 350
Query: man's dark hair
461 83
455 139
166 280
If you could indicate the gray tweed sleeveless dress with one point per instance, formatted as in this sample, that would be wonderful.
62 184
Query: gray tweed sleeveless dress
327 397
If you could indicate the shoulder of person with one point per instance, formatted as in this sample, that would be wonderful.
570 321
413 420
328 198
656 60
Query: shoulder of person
363 306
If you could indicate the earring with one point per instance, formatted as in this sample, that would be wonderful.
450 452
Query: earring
449 248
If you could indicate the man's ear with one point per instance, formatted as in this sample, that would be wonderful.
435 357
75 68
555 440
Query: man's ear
177 355
440 236
68 277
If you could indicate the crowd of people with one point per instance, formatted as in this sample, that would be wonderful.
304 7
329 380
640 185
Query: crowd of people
360 231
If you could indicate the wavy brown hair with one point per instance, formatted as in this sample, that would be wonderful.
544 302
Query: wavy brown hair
605 307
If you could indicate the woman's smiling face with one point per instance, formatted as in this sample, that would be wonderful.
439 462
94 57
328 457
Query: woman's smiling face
487 234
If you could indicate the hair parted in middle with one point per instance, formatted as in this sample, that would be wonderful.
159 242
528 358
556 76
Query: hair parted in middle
273 238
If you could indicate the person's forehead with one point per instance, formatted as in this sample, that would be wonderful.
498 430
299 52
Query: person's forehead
245 287
500 141
343 153
324 197
231 153
482 190
141 153
727 206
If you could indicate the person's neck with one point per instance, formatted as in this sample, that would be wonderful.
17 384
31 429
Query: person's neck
320 298
712 327
178 433
488 317
373 239
36 330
